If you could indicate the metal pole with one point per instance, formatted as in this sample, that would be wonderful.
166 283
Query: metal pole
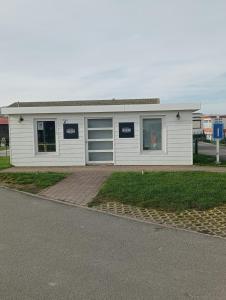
218 146
196 146
218 151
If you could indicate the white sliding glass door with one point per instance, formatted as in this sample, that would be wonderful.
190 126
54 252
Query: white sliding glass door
99 140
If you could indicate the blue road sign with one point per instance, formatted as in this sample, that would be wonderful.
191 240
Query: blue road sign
218 130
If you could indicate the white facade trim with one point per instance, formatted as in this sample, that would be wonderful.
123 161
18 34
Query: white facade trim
164 146
101 108
35 146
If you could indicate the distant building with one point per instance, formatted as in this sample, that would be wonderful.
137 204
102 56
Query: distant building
197 123
4 128
207 124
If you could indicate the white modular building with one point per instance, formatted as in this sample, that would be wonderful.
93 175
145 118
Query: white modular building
118 132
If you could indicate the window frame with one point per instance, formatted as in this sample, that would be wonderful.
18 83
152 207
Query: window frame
65 133
207 124
87 140
36 137
164 136
121 135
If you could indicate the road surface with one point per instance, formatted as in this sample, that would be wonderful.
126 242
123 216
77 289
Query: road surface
54 251
210 149
3 153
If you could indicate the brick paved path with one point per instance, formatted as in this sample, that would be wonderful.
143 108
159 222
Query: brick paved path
79 188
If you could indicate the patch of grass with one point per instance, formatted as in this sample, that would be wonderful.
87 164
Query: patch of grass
4 162
175 191
206 160
2 148
31 182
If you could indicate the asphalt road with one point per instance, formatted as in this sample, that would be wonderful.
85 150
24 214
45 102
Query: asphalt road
3 152
54 251
210 149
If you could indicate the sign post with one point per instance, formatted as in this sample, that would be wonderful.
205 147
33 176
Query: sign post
218 151
218 134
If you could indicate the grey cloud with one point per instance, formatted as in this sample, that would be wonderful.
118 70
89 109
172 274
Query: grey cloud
70 49
117 73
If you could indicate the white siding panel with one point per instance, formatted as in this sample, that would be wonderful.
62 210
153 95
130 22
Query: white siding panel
182 141
23 149
178 141
127 151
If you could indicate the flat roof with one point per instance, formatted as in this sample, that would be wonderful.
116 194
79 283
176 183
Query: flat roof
96 106
86 102
213 116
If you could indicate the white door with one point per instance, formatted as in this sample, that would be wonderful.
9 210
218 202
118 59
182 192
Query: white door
99 140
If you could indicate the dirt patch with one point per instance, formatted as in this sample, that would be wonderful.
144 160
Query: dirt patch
31 188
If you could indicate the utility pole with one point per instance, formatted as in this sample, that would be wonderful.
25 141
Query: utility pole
218 143
218 135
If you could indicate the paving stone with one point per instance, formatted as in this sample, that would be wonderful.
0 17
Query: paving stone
78 188
212 221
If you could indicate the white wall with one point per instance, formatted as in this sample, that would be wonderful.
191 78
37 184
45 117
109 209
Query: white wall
177 151
178 137
22 143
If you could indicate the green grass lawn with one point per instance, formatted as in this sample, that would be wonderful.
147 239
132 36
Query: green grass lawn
3 148
165 190
206 160
31 182
4 162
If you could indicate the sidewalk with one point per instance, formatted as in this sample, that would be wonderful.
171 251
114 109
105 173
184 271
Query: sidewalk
111 168
78 188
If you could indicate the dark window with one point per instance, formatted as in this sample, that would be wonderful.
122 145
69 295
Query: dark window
4 132
126 130
46 136
71 131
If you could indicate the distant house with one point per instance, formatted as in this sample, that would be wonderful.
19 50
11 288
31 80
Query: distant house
4 128
197 123
207 123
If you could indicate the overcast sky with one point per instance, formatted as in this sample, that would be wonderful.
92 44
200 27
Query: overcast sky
97 49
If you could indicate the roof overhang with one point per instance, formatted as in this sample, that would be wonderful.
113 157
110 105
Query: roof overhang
101 108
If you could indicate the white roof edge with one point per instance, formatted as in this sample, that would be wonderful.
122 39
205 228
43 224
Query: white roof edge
100 108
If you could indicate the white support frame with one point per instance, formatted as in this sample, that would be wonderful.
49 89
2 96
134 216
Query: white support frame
164 135
87 140
36 152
